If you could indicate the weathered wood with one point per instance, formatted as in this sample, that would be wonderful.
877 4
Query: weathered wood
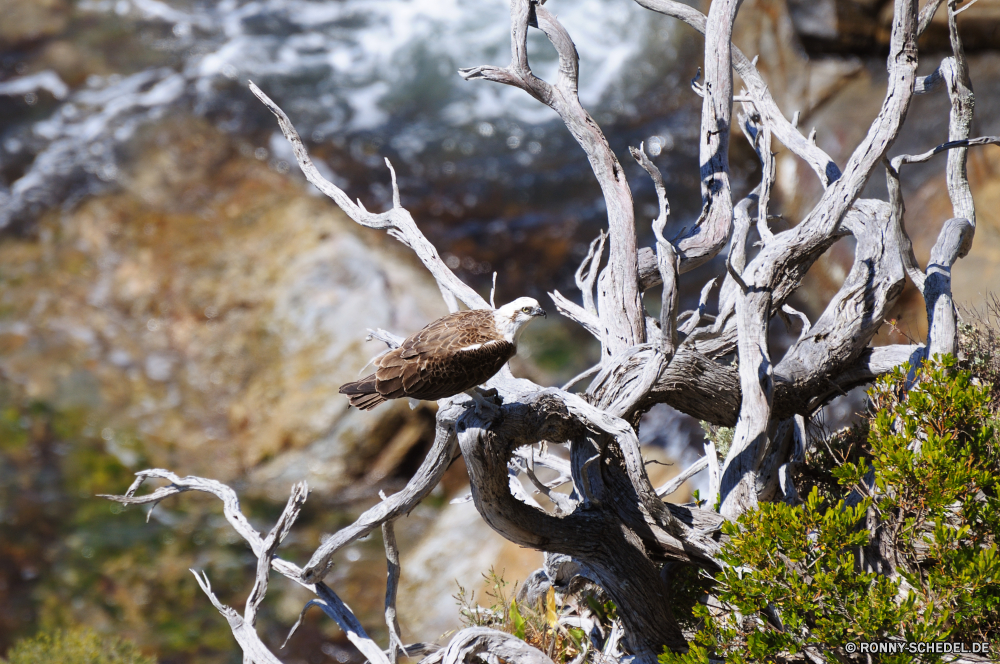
470 645
262 549
391 587
428 475
825 168
397 220
618 302
711 232
614 525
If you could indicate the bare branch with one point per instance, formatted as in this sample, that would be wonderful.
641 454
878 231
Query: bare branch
270 544
666 258
586 274
431 470
771 115
563 503
714 473
388 338
230 502
580 376
397 221
696 315
840 196
335 608
244 632
391 586
944 147
792 311
788 491
953 243
760 138
839 337
955 238
675 482
739 473
927 15
711 232
469 644
254 649
908 258
621 317
575 312
963 102
927 84
959 11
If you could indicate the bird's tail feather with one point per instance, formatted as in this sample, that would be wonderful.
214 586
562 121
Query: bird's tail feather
362 393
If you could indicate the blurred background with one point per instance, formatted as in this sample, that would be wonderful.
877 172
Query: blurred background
174 294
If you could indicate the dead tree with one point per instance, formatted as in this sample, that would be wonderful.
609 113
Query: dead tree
614 525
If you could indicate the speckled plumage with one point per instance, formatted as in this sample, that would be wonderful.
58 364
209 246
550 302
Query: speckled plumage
453 354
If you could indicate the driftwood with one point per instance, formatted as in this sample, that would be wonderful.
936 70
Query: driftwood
614 525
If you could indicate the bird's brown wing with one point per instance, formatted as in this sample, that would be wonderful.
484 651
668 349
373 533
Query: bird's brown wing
451 355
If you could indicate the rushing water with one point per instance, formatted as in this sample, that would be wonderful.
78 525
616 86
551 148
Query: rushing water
488 172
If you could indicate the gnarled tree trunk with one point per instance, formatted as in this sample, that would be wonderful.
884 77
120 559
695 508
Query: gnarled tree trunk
613 522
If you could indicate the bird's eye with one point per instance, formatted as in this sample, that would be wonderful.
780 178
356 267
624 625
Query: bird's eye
526 310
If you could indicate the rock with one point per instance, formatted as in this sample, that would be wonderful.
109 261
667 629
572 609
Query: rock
836 26
764 28
979 27
458 550
213 307
863 26
71 62
25 21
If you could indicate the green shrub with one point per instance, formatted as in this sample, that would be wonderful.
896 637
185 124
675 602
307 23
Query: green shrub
543 624
78 646
924 489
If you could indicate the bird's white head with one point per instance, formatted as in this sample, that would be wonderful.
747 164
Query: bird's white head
511 318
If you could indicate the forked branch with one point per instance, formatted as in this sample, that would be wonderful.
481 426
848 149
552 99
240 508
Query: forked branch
619 307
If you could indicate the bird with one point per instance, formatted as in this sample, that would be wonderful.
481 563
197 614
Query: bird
454 354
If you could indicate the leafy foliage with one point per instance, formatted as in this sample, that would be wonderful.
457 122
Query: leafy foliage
906 552
978 341
546 625
720 435
77 646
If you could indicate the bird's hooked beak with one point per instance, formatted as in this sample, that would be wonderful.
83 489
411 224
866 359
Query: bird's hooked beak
538 311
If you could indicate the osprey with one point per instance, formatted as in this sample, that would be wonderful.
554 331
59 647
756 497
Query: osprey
451 355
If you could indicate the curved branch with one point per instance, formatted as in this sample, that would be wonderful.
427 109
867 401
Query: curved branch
826 169
431 470
325 597
963 102
470 644
253 648
595 532
738 483
711 232
571 310
397 220
619 304
666 258
391 586
587 273
942 327
841 334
